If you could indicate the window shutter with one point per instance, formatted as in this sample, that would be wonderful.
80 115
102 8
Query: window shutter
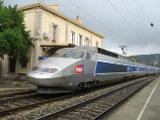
50 32
78 39
70 38
57 34
82 42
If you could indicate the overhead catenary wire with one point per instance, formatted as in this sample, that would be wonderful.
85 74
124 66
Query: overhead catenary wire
71 11
144 14
124 19
132 15
107 28
103 25
151 23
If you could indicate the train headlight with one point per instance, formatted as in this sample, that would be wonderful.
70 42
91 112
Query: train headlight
79 68
50 70
45 70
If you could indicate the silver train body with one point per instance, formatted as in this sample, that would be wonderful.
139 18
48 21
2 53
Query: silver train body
84 67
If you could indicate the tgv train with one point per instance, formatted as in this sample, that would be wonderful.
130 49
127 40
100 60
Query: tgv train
84 67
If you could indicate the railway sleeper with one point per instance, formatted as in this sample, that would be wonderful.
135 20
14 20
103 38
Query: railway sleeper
84 111
75 116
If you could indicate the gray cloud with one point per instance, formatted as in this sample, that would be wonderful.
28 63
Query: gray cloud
129 24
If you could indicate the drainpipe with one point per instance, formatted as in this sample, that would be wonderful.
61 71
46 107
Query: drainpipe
37 36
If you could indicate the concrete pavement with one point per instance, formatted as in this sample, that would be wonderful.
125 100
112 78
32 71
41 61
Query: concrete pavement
145 105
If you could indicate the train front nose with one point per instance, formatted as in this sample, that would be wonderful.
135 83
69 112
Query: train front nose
50 73
43 79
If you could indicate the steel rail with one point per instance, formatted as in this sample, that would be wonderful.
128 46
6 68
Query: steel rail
28 95
16 93
115 105
42 102
31 105
72 108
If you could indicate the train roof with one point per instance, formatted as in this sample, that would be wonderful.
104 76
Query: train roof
112 54
101 51
90 49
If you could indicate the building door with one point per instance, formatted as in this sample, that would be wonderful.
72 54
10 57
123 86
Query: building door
12 65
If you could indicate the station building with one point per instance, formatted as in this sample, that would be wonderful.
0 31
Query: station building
50 29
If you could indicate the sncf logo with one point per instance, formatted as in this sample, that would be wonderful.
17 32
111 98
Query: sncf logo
79 68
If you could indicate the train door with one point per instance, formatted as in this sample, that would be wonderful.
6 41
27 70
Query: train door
89 67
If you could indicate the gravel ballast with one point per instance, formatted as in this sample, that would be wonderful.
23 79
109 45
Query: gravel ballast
59 105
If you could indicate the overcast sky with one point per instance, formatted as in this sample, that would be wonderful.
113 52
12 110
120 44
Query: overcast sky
122 22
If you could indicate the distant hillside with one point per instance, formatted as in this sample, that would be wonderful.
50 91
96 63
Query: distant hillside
152 59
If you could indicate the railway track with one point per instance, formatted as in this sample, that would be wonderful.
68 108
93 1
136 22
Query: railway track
16 94
96 108
19 101
23 102
28 101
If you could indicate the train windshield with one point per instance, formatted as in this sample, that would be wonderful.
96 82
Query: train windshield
69 53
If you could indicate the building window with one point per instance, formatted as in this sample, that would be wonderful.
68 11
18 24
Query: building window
54 32
73 37
97 44
80 40
87 42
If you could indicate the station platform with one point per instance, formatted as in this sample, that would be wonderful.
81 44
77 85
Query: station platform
11 85
144 105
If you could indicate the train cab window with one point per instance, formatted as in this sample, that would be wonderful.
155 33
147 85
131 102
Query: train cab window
70 53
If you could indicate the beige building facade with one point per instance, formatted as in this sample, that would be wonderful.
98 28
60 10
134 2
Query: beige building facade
51 29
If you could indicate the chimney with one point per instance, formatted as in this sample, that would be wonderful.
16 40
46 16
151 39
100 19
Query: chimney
78 20
54 7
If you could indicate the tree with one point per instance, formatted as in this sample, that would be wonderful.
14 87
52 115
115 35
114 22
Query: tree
15 41
1 3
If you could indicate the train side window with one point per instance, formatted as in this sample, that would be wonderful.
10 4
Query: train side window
88 56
